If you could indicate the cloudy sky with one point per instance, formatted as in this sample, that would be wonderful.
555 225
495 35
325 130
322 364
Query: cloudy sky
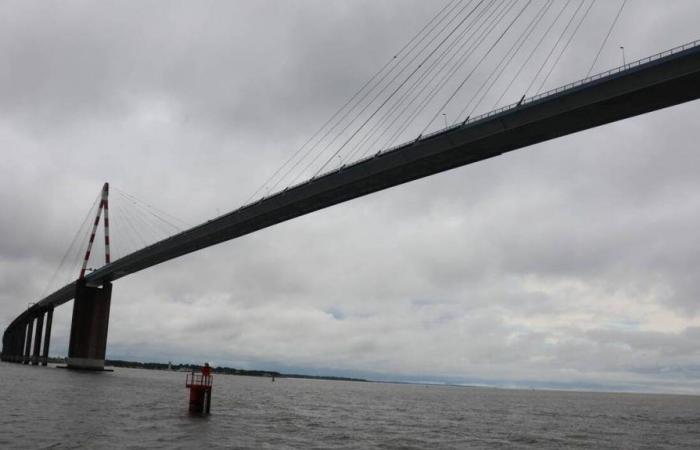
572 263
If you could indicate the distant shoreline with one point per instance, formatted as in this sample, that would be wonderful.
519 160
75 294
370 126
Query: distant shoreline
428 383
217 370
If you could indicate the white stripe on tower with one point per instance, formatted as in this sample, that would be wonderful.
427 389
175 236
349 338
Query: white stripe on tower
105 202
92 235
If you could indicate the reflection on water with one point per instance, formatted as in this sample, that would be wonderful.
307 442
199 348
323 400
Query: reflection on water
129 408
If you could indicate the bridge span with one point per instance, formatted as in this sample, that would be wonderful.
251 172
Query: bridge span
667 79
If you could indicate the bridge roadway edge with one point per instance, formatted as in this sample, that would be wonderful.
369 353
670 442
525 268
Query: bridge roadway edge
652 86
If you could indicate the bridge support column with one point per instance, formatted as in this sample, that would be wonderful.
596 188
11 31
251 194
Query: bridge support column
88 333
28 340
37 338
15 344
9 353
21 336
47 337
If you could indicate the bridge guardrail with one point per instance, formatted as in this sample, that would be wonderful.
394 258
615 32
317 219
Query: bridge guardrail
526 100
615 70
566 87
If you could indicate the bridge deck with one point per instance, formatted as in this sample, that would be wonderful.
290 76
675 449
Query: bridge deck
654 83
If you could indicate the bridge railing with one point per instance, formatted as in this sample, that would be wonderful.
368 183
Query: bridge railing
614 71
525 101
567 87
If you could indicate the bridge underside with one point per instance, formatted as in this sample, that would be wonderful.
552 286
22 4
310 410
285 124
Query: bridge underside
647 87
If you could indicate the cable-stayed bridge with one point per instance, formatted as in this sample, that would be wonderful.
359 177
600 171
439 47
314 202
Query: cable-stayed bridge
659 81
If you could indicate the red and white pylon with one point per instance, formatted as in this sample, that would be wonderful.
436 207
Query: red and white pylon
104 204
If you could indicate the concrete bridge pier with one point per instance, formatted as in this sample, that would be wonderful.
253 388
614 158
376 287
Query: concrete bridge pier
29 329
88 333
47 337
18 345
15 343
10 345
20 342
37 338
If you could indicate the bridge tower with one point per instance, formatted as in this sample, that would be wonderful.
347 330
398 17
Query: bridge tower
88 334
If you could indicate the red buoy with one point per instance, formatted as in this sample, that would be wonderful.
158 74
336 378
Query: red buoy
200 390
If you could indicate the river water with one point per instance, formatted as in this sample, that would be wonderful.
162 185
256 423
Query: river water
130 408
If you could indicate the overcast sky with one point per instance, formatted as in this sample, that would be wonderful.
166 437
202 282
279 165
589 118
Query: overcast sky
572 263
